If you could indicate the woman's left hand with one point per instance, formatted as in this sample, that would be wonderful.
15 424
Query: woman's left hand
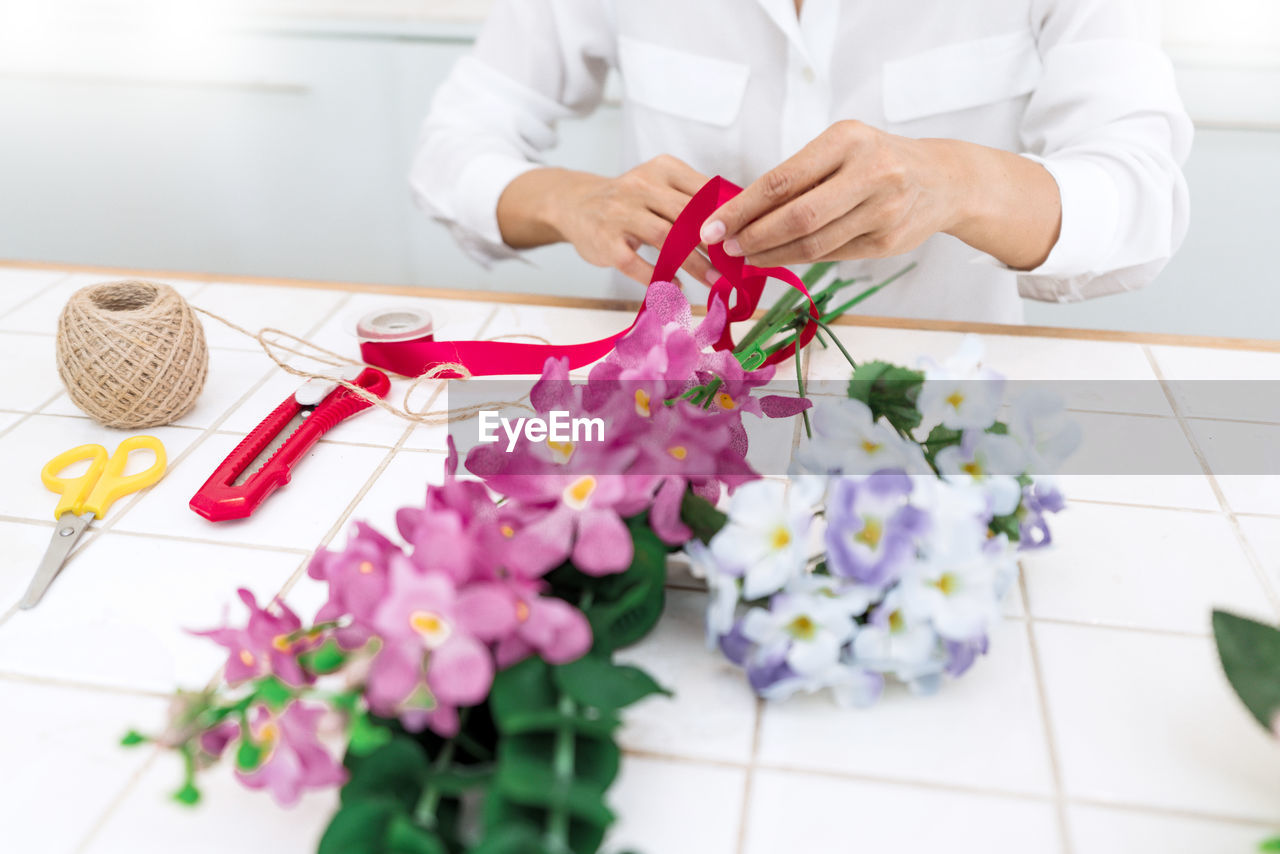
854 192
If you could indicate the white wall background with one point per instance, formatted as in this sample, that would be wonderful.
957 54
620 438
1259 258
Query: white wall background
276 144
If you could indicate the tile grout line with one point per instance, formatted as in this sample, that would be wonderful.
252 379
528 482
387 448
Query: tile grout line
1259 571
1046 719
40 291
56 682
953 788
115 802
749 777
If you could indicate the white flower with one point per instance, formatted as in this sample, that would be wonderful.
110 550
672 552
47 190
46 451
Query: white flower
990 462
808 630
958 588
765 538
898 642
1038 421
722 603
847 441
961 393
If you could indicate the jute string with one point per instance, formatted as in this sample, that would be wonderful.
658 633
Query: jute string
133 354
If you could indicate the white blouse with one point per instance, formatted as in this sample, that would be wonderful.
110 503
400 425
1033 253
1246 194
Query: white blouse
733 87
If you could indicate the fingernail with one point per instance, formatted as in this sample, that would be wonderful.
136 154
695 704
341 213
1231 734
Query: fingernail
712 232
712 277
731 247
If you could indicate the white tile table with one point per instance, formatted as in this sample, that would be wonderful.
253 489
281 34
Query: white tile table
1100 722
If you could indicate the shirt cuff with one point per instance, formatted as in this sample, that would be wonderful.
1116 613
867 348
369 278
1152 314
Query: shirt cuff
1090 215
478 189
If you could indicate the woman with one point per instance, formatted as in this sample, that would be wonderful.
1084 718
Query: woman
1042 139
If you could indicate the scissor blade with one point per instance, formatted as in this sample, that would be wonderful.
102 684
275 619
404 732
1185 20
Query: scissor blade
65 534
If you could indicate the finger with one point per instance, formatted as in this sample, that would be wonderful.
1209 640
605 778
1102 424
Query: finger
632 265
802 216
667 202
779 185
700 268
820 244
682 176
653 230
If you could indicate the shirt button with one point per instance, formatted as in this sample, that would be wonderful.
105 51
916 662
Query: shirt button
808 74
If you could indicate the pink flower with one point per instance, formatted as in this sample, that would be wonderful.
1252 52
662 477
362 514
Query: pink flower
264 645
295 760
357 579
549 627
434 636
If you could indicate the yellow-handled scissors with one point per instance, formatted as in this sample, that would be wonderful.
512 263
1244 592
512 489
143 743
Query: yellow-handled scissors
88 496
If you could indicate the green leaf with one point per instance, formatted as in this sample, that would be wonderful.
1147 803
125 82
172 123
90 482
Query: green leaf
405 837
249 756
604 685
1250 655
522 688
889 391
132 738
631 614
366 734
328 658
359 828
188 795
511 839
274 693
396 772
1007 525
701 516
1272 844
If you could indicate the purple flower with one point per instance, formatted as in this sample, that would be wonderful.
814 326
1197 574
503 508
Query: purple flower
357 580
962 654
295 760
872 529
1038 499
264 645
547 626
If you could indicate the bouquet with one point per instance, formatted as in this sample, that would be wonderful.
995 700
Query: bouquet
459 682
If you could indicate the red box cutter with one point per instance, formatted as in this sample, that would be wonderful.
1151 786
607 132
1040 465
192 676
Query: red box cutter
313 410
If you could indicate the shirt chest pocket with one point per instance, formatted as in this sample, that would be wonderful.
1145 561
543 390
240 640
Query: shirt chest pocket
682 84
960 76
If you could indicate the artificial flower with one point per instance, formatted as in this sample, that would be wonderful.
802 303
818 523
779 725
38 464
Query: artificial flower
766 538
295 759
961 393
268 644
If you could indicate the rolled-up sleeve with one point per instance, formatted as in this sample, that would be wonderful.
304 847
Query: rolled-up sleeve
536 62
1108 124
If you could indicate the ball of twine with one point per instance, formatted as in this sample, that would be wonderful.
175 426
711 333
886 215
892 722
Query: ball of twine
131 354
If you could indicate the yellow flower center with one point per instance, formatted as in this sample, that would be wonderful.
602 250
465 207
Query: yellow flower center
678 451
955 399
642 403
725 401
268 733
896 622
871 534
522 612
246 658
781 538
434 629
366 567
973 469
947 584
870 447
281 643
579 492
560 451
802 628
508 531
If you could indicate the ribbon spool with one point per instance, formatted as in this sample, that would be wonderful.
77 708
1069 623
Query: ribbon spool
131 354
396 325
739 287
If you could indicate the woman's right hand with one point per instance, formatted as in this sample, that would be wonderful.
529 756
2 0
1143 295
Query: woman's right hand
606 219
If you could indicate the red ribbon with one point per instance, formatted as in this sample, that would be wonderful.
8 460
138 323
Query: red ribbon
737 279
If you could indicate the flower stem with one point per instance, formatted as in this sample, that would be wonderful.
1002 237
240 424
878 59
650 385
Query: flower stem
563 763
808 428
424 814
836 339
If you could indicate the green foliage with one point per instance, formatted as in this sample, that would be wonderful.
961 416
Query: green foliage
328 658
365 736
603 685
274 693
249 756
133 738
1272 844
890 392
188 795
701 516
1250 655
